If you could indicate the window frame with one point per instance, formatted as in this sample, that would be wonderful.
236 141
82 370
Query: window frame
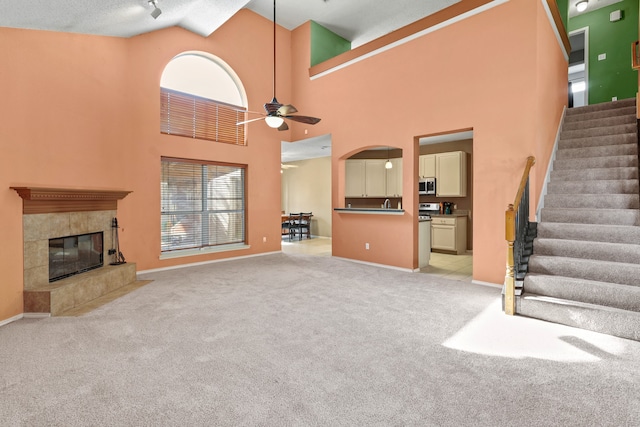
168 215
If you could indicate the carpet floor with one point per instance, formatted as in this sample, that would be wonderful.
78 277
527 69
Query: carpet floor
298 340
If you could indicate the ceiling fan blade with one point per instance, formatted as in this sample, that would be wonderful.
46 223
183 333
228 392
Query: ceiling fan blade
303 119
285 110
283 126
249 121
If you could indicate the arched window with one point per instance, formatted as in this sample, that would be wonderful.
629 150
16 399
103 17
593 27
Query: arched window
201 97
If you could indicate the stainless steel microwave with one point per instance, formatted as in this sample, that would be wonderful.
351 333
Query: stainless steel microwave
427 186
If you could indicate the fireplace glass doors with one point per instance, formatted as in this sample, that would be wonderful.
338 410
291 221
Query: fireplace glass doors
74 254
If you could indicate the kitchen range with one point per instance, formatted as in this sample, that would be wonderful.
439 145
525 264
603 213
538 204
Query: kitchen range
425 210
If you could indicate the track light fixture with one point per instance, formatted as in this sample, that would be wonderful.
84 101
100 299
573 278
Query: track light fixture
156 10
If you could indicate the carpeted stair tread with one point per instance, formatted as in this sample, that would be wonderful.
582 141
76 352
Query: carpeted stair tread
590 115
614 105
622 297
592 201
596 162
599 151
594 174
598 141
599 131
606 187
606 320
601 251
601 271
591 216
596 123
590 232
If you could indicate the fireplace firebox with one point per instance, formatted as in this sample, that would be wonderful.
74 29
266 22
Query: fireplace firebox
75 254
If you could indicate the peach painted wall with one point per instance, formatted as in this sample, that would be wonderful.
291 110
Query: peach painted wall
82 111
480 73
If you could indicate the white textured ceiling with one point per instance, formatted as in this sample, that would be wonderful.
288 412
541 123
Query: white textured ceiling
356 20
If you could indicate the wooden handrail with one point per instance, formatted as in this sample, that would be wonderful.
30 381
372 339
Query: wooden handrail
635 55
510 235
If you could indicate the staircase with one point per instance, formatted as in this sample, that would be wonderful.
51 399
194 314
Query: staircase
585 266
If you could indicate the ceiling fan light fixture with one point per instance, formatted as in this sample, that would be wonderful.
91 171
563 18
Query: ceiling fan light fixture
156 10
581 6
274 121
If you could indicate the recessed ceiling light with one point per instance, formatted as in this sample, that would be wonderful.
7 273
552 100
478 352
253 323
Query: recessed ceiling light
581 6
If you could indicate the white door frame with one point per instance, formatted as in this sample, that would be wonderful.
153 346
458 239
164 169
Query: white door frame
584 30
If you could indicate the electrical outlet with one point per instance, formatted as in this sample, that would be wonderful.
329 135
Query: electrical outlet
602 57
366 246
614 98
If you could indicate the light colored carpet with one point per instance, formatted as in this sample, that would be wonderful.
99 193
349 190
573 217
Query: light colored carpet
298 340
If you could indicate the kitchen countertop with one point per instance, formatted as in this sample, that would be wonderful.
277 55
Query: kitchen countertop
374 211
448 215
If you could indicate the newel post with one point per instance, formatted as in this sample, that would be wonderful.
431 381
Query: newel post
509 280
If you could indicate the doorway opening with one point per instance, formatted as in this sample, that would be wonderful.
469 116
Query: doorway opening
579 68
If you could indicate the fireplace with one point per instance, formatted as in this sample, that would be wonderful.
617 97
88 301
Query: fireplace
74 254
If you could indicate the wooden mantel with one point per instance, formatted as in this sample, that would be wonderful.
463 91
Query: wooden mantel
38 200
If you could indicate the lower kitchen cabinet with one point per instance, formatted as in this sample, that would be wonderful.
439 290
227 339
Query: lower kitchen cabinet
449 234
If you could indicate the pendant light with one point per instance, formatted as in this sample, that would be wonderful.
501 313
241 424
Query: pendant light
388 164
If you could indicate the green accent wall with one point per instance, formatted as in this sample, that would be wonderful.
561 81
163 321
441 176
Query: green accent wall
614 75
326 44
563 7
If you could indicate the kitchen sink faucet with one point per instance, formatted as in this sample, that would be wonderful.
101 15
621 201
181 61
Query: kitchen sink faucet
387 204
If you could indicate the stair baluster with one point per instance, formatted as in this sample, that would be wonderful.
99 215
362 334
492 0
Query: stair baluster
516 226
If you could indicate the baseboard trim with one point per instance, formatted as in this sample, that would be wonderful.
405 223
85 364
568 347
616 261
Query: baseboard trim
194 264
11 319
36 315
489 284
374 264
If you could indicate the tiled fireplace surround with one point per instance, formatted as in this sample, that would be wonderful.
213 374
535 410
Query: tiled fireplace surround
53 213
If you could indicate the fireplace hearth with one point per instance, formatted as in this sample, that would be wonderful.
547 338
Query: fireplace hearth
74 254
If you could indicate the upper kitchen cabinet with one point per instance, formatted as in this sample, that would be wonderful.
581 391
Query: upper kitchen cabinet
365 178
451 174
394 178
427 166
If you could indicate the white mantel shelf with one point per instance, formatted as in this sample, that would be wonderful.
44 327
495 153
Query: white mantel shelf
370 211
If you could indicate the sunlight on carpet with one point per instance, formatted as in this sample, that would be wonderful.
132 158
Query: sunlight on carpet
496 334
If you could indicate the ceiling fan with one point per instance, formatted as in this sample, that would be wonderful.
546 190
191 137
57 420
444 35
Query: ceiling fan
275 111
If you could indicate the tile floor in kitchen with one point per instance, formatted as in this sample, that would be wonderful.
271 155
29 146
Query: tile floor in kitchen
454 267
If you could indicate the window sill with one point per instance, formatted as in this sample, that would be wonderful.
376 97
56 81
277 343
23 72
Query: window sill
203 251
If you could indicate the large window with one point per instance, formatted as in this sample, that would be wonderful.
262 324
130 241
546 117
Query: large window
201 97
202 204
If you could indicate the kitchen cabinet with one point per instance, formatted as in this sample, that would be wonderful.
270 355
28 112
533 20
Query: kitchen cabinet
449 234
427 166
365 178
424 243
451 174
394 178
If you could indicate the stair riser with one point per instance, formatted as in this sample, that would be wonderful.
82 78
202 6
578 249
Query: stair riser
607 294
596 162
590 216
600 131
596 123
589 232
588 201
605 106
599 141
624 325
614 112
609 150
612 252
594 174
594 187
601 271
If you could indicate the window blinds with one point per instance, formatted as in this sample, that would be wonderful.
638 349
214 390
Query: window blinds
192 116
202 204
